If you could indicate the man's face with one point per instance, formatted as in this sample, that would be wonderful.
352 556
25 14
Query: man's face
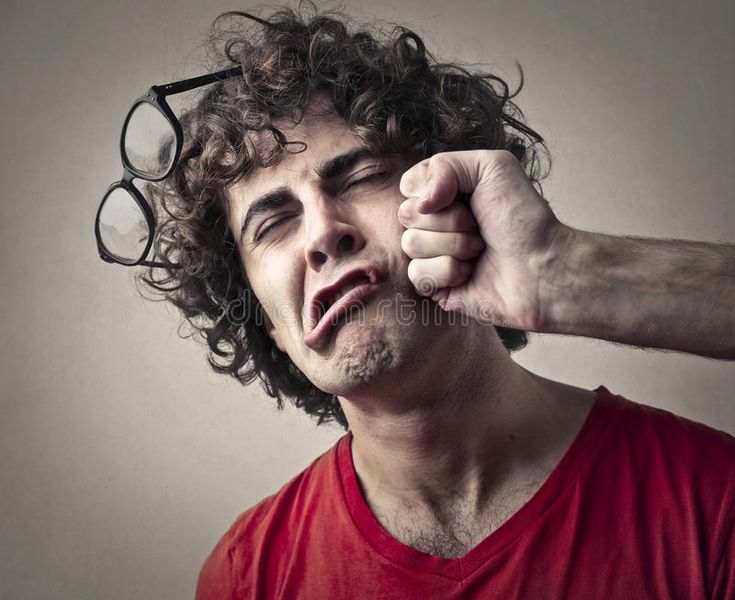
319 237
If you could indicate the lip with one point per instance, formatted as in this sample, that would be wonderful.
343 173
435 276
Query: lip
322 323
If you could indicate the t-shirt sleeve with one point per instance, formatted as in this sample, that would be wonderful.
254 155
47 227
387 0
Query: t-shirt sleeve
215 579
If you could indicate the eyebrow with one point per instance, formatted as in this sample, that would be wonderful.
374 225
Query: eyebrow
334 167
264 204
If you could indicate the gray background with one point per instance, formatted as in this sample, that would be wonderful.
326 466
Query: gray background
122 458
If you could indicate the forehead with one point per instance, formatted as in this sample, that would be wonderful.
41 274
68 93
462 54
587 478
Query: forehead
324 133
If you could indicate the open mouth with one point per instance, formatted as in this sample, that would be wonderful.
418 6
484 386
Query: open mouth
322 308
334 302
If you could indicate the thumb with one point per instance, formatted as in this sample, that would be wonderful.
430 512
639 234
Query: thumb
432 182
436 181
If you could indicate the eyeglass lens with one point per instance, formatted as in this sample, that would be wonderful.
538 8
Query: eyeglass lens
123 226
150 141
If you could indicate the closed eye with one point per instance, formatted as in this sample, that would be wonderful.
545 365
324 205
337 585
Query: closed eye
273 224
373 177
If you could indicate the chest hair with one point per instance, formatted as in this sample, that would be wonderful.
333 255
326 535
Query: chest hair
457 526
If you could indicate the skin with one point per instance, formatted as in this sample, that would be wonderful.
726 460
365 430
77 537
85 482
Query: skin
285 270
541 275
450 436
517 223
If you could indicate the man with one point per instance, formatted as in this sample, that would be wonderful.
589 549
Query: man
344 179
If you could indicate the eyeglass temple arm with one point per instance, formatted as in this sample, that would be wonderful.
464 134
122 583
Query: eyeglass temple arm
143 263
158 265
189 84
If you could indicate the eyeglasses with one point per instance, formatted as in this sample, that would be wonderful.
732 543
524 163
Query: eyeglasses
150 145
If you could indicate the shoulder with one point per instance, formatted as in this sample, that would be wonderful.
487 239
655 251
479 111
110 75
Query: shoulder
676 474
265 527
688 440
670 460
649 438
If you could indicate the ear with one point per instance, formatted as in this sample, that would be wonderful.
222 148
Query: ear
272 333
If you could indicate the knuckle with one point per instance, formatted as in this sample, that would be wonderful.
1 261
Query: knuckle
413 179
435 159
440 167
422 278
505 158
456 269
409 242
488 155
405 215
460 245
414 271
447 265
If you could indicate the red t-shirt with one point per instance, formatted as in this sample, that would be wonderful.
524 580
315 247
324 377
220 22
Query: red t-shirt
641 506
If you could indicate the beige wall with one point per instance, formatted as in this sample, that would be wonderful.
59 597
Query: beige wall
122 459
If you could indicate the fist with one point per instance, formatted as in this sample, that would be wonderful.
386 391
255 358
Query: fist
479 235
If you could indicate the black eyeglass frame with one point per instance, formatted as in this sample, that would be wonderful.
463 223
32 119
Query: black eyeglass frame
155 96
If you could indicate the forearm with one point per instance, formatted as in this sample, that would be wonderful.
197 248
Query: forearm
671 294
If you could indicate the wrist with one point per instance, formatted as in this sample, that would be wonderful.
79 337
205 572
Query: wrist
563 270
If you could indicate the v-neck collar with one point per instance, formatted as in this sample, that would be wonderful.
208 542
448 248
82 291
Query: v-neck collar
579 454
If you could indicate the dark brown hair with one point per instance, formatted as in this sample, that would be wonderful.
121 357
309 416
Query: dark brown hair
395 96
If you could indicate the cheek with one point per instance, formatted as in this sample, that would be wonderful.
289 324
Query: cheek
385 215
393 230
277 287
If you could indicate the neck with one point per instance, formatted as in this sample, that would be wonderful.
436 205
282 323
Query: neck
459 429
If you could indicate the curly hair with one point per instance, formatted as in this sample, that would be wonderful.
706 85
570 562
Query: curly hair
395 96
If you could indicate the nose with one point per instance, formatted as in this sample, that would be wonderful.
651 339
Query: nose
329 235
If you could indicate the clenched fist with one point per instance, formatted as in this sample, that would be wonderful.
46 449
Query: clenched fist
486 256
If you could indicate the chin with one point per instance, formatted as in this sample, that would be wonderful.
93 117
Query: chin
360 356
363 352
363 363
